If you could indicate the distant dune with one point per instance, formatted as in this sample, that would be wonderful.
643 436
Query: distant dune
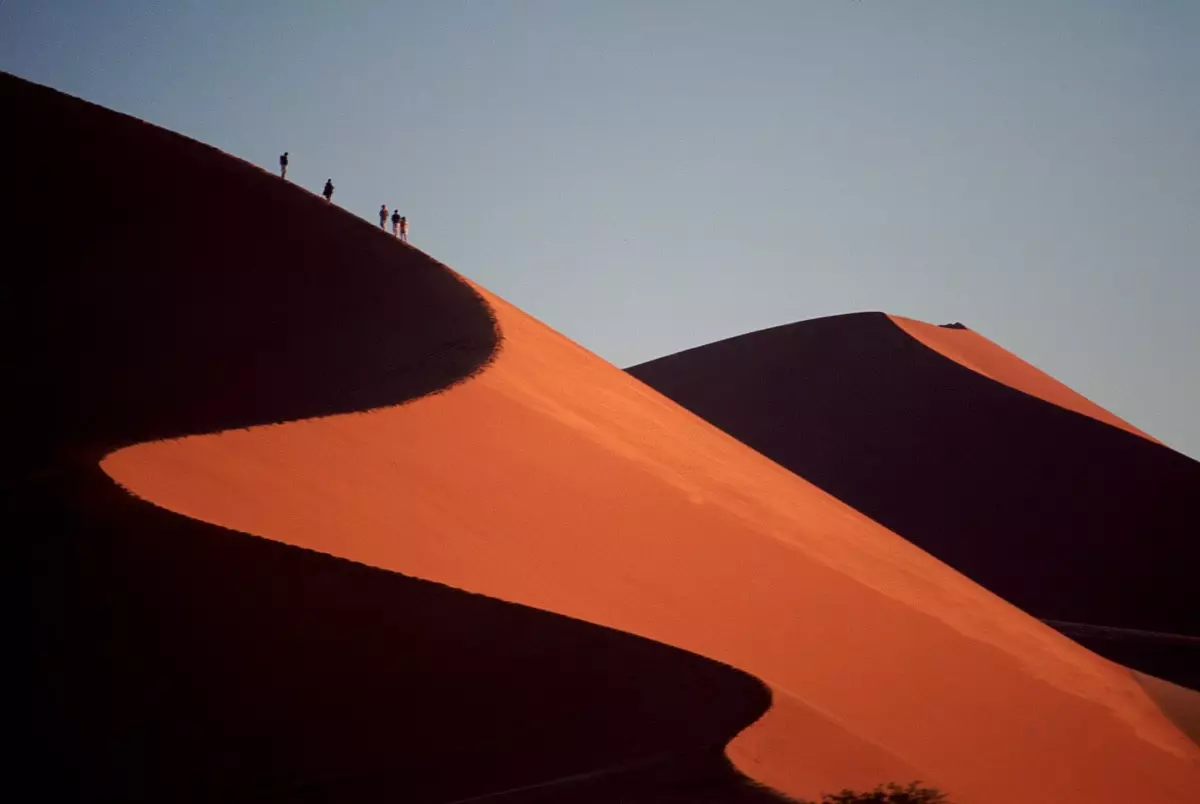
491 566
968 348
974 455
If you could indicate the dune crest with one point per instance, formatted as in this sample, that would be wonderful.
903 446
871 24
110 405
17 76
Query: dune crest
1048 507
386 560
592 496
979 354
171 659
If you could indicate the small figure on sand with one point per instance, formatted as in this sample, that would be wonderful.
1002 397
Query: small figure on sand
404 229
383 216
328 191
396 223
283 165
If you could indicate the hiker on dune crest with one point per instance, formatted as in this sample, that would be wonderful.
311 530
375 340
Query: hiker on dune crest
404 229
383 216
283 165
396 223
328 191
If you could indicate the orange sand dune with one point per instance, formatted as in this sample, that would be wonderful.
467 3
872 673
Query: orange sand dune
979 354
180 658
555 480
977 457
169 659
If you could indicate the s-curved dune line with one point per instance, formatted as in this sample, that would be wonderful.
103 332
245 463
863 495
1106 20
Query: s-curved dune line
555 480
502 550
170 659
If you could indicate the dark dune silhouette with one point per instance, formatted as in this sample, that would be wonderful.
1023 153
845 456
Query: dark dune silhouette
1071 518
556 480
275 367
175 660
195 293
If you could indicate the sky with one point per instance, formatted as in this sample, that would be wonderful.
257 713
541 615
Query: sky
647 176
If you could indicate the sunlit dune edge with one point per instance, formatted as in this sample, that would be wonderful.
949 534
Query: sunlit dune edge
967 347
554 480
1050 507
323 607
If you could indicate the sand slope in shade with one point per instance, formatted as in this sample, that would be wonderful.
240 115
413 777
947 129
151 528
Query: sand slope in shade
167 659
178 661
173 656
970 349
555 480
1049 508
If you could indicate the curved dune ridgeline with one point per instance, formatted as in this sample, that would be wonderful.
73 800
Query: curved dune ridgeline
170 659
555 480
302 664
989 464
970 349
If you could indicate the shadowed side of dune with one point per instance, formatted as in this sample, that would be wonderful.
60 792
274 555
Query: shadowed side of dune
177 660
169 659
1068 517
157 287
968 348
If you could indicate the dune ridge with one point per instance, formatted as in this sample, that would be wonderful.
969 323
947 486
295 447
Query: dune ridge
173 659
550 479
670 529
1048 506
970 349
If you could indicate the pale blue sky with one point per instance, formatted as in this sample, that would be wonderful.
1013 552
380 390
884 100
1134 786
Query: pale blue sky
649 176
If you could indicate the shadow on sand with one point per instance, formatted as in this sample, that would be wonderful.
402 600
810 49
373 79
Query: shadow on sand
1048 508
174 660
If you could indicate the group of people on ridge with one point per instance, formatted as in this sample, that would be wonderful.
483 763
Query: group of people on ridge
399 222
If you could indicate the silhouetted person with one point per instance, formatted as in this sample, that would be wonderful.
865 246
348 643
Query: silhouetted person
283 165
383 216
404 229
396 223
328 191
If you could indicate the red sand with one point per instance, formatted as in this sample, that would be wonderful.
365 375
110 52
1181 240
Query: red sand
977 353
1051 509
1180 703
170 659
555 480
201 660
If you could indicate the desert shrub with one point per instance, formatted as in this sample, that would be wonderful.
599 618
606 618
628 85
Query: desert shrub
890 793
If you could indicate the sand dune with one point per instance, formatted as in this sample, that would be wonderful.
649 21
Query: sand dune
974 456
970 349
596 498
541 476
173 660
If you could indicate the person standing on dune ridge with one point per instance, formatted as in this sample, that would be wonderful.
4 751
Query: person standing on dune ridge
328 191
396 223
283 165
383 216
404 229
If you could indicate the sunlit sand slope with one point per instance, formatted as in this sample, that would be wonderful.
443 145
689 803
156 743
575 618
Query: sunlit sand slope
969 348
194 661
1035 493
166 659
555 480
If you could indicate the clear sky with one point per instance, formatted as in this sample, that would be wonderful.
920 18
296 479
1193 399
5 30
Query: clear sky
646 176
